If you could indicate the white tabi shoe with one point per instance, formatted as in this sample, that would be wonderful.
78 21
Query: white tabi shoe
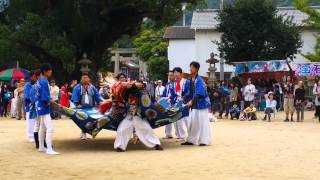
52 152
83 136
42 149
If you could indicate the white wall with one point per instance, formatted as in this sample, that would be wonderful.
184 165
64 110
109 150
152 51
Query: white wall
309 42
180 53
204 47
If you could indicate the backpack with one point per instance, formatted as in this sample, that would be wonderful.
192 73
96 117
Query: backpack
7 96
225 91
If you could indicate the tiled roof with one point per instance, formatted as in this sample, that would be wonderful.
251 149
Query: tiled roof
297 16
179 32
206 19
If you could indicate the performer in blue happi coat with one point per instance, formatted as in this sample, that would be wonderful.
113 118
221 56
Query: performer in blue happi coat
85 95
170 93
183 95
33 115
199 132
27 102
43 101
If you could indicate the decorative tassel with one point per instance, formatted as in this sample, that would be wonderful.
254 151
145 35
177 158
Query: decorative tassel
105 106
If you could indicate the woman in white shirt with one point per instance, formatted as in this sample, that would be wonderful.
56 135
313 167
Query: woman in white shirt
316 93
13 109
249 93
159 90
271 106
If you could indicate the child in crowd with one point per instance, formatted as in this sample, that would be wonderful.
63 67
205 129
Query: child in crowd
310 105
235 111
271 107
250 113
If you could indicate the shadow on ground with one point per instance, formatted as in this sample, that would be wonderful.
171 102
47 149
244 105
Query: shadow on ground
106 144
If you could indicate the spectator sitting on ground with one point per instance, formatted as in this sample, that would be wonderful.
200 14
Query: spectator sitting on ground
250 113
271 106
235 111
310 105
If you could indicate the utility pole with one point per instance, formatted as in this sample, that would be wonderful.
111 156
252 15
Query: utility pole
184 6
221 68
221 5
221 56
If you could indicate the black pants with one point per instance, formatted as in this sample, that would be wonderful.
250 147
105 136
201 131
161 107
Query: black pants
235 115
250 116
215 107
224 107
268 112
300 112
318 112
4 108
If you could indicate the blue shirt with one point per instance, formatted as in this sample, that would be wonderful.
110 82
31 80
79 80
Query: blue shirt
34 91
27 100
170 92
77 95
186 92
199 94
235 110
43 97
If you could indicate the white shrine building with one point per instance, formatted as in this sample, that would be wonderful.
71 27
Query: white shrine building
195 42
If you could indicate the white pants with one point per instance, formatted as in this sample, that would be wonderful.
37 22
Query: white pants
36 127
45 132
72 106
212 118
30 126
200 130
20 108
13 109
187 122
143 130
179 131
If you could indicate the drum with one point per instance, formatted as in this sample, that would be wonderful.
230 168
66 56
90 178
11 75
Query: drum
164 105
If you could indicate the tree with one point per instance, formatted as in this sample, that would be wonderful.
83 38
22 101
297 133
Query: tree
152 49
60 31
314 22
252 31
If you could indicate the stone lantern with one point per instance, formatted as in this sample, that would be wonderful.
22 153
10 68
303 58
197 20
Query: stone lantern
84 62
212 70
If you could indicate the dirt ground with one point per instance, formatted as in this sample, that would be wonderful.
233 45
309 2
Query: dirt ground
240 150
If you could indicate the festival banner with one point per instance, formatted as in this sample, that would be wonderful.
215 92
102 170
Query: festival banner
262 66
307 70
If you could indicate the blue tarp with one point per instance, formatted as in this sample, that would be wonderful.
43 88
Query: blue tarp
91 121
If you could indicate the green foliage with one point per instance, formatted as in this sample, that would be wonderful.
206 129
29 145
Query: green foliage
152 48
252 31
60 31
149 42
158 68
314 22
125 41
